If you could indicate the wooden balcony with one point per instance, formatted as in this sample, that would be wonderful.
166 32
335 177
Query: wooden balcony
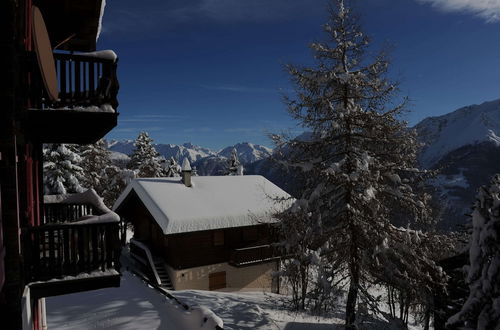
253 255
87 106
59 250
74 249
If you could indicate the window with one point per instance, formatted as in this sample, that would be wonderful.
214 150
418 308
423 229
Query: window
218 238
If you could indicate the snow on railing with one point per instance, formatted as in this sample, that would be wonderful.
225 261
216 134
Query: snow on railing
149 258
86 207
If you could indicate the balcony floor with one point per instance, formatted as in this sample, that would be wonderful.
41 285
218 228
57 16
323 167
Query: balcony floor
69 126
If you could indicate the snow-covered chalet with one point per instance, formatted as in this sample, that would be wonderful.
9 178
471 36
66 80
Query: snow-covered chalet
204 232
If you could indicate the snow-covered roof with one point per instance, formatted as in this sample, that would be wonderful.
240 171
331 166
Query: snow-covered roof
213 202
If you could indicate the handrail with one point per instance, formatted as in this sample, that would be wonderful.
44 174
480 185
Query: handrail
253 247
64 212
149 257
253 254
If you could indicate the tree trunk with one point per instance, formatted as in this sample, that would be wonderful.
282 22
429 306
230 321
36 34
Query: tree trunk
303 274
352 296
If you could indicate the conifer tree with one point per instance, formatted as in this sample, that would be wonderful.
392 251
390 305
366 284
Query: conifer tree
95 160
146 160
172 169
116 180
482 308
233 166
61 170
359 166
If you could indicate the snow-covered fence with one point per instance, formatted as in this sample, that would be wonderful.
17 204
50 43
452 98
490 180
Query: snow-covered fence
58 250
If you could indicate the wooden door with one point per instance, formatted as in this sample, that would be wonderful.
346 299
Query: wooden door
216 280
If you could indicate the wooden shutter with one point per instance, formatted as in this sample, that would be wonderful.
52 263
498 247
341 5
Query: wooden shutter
216 280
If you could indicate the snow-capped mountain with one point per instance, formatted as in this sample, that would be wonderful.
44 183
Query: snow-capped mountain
465 126
465 146
247 152
124 146
186 150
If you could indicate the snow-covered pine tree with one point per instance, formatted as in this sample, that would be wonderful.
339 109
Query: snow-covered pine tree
172 169
61 170
482 308
146 160
233 166
359 166
95 159
116 179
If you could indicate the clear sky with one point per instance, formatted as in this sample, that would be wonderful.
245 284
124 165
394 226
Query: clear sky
211 72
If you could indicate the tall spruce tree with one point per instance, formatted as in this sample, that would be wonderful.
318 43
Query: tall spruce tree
61 170
146 160
359 169
95 158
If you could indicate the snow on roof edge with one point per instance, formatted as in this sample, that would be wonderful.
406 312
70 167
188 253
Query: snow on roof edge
148 203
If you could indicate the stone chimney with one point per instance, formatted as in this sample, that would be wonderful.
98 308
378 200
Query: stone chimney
186 172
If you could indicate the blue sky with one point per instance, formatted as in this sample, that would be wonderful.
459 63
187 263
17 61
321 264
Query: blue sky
211 72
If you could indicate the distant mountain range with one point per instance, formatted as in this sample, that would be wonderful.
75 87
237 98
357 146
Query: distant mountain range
464 145
208 161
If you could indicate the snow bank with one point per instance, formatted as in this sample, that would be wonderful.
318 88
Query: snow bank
214 202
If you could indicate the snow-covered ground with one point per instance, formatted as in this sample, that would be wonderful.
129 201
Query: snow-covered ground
265 311
135 305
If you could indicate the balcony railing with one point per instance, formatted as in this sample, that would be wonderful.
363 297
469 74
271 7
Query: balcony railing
62 213
83 80
253 255
59 250
78 234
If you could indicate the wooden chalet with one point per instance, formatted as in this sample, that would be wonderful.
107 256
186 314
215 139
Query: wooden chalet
54 88
204 232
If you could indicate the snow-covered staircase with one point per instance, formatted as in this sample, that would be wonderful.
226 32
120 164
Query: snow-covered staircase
150 266
159 265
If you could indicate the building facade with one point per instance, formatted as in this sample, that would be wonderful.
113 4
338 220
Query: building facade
209 232
51 92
